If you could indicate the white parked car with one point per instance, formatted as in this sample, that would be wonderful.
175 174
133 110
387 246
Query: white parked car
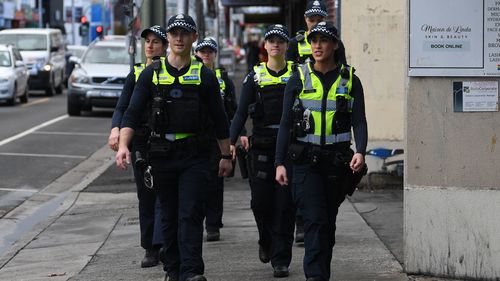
13 75
98 77
43 53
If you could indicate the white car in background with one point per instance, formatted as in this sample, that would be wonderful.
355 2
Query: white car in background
13 75
98 77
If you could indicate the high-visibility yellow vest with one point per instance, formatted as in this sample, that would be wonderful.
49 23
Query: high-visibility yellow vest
270 93
138 68
304 48
191 78
320 109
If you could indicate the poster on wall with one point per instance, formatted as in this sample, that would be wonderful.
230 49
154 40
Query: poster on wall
475 96
454 38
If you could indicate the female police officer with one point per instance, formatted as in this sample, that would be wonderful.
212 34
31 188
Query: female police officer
299 51
155 45
322 102
181 95
262 98
206 49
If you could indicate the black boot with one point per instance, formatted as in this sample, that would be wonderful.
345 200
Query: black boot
280 271
151 258
213 236
264 254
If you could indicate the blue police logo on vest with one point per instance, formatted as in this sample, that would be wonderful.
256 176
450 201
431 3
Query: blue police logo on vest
190 78
176 93
285 79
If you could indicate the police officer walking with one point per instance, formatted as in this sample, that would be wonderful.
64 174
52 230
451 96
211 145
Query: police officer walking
262 98
181 97
323 101
299 51
206 49
155 45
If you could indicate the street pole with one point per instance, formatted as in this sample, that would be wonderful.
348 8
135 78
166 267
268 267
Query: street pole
200 19
186 7
73 22
40 14
152 13
338 12
132 44
217 32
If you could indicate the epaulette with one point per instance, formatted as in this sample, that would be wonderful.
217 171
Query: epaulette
138 64
198 58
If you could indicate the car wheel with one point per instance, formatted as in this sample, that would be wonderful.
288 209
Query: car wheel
50 90
24 98
12 101
59 89
74 109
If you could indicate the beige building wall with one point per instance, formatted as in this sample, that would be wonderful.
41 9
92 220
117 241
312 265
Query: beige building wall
452 164
373 32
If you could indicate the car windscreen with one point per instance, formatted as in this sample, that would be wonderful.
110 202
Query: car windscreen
25 42
106 54
5 59
77 52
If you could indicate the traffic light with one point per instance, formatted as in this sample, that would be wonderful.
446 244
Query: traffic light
84 26
99 30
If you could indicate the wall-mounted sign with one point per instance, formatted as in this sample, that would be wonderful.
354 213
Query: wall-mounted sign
470 96
454 38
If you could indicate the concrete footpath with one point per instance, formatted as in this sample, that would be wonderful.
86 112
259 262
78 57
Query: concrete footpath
94 235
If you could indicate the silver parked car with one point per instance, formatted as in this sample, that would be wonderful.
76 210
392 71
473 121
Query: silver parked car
98 77
13 75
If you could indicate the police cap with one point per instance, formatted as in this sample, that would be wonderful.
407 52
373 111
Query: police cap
316 7
325 28
157 30
183 21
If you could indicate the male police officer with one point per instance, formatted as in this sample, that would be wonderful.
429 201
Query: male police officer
299 49
323 101
206 49
180 95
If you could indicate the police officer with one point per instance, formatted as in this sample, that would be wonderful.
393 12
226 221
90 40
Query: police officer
181 96
262 99
206 49
323 101
155 45
299 49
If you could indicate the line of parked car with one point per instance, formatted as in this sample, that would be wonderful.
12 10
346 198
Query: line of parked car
32 58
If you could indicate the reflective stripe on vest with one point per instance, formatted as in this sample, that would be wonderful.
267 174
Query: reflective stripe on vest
304 47
311 97
222 83
138 69
191 77
263 78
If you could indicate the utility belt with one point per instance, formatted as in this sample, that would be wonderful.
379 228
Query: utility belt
337 154
333 160
159 147
263 142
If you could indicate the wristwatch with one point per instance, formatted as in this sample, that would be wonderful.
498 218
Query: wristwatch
227 156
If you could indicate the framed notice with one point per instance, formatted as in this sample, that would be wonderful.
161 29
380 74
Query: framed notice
454 38
475 96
